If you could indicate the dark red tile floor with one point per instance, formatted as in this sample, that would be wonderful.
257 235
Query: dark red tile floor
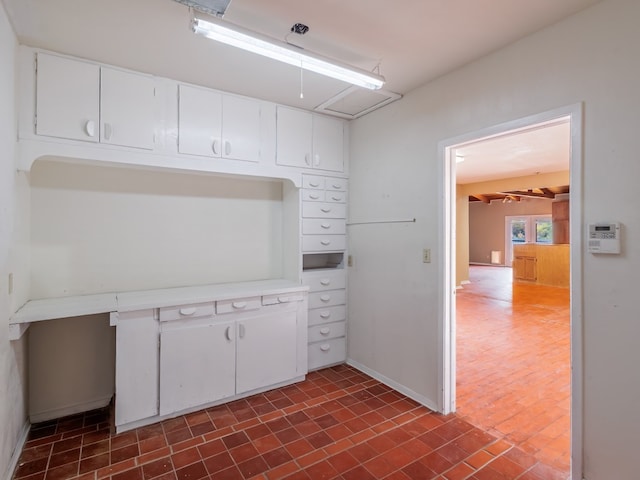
513 362
337 424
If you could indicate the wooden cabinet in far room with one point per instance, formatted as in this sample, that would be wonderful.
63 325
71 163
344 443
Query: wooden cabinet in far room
560 221
524 268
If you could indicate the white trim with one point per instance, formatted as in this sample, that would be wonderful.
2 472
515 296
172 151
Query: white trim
422 400
446 305
17 451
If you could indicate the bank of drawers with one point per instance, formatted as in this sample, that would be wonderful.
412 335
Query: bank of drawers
327 317
324 213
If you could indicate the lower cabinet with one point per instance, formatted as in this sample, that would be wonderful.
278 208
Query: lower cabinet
176 359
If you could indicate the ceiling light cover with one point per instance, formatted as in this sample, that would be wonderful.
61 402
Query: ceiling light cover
284 52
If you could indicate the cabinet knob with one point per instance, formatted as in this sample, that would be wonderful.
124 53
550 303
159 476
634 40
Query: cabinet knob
90 128
325 298
326 226
188 311
215 147
325 315
314 197
239 305
241 331
336 199
311 184
337 187
325 331
227 333
316 160
108 131
325 210
307 159
227 147
325 348
325 242
325 281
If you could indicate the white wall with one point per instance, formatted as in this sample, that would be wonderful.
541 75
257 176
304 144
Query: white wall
591 58
99 229
13 258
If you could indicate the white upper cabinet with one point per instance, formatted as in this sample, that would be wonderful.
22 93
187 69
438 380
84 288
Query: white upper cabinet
214 125
67 98
309 141
82 101
127 109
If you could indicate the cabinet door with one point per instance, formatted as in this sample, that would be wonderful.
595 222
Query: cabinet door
197 365
293 138
240 128
127 102
199 122
67 98
267 350
328 144
136 366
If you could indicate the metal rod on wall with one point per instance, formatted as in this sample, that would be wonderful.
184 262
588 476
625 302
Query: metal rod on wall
413 220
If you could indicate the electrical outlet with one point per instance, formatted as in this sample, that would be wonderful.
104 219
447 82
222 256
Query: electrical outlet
349 260
426 255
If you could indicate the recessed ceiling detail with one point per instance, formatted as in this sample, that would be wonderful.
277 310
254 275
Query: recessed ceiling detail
355 102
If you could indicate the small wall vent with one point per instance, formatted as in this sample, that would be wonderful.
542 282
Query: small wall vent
355 102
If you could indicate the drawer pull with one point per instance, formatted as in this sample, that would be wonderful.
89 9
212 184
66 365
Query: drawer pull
326 226
325 331
188 311
284 299
314 197
325 282
314 185
306 159
325 348
316 160
108 131
325 315
336 199
325 242
325 210
325 298
239 305
227 333
90 128
337 187
214 147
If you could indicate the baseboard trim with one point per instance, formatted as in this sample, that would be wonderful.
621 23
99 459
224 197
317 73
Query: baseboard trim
421 399
69 410
17 451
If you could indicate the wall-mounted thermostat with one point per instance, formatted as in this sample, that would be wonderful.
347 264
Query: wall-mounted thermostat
604 238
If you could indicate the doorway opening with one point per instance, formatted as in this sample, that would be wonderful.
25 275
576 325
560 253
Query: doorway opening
451 197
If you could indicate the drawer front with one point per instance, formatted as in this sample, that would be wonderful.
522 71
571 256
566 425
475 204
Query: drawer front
319 316
330 280
283 298
324 243
327 299
313 181
324 226
335 184
238 305
327 331
327 353
310 195
335 197
324 210
180 312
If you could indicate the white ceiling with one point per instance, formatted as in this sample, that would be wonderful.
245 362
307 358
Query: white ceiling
542 149
413 42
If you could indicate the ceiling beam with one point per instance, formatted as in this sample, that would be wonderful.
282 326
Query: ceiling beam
482 198
530 194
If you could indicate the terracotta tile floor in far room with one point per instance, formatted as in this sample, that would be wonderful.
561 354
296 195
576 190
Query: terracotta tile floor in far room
337 424
513 355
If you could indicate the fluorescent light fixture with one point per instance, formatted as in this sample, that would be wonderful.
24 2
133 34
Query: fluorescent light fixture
284 52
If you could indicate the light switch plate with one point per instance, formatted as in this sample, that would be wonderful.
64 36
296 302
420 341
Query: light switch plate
426 255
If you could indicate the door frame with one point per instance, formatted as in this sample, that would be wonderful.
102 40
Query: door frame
447 262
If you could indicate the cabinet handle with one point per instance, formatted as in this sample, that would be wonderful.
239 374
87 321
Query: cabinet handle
90 128
325 298
325 242
337 187
336 199
227 333
325 210
242 330
306 159
108 131
314 185
239 305
325 282
325 331
325 348
214 147
227 147
284 299
188 311
326 226
316 160
314 197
